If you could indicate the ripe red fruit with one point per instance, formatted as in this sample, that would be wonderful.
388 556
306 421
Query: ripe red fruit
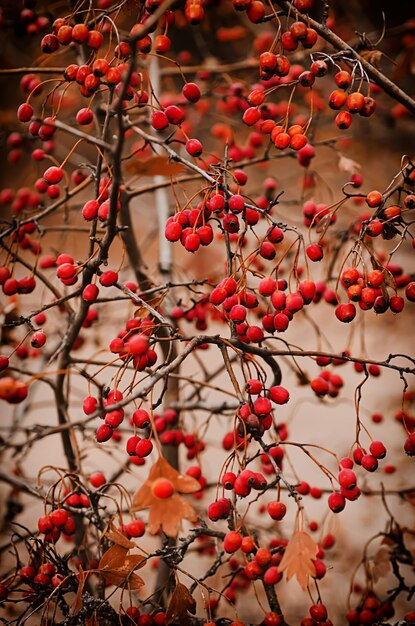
336 502
84 116
135 528
25 112
26 573
108 278
192 242
232 541
314 252
49 44
279 394
45 524
159 120
272 619
144 448
355 102
53 175
38 339
237 313
173 231
347 478
346 312
59 517
174 114
191 92
343 120
103 433
194 147
374 198
162 488
97 479
251 116
337 99
369 462
276 510
377 449
318 612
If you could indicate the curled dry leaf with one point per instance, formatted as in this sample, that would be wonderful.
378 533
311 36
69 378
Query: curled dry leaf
77 604
166 513
348 165
119 539
181 603
298 558
117 567
381 564
155 166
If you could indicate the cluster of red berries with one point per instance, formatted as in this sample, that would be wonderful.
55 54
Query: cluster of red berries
39 577
58 521
371 611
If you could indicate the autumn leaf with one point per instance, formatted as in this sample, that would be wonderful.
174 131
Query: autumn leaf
348 165
155 166
77 605
166 513
155 303
181 603
373 57
118 538
117 567
298 558
381 564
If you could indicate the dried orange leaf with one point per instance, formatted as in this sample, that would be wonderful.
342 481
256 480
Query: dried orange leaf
77 605
117 567
118 538
348 165
181 603
166 513
381 564
169 514
155 166
298 558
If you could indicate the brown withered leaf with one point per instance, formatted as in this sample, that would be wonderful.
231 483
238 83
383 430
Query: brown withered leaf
77 605
298 558
119 539
142 311
92 621
348 165
181 603
117 567
154 166
373 57
166 513
381 564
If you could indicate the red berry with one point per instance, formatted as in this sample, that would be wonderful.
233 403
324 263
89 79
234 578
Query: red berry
53 175
279 394
97 479
194 147
276 510
59 517
144 448
336 502
191 92
159 120
162 488
25 112
232 541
